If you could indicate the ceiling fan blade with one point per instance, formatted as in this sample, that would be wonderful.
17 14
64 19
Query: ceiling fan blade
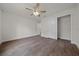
28 9
43 11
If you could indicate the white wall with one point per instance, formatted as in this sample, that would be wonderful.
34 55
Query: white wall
49 24
75 26
49 27
50 30
17 27
0 27
64 27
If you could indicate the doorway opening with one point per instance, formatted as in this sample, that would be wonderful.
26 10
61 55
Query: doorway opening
64 27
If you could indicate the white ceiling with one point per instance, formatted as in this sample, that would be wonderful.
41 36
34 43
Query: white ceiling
19 8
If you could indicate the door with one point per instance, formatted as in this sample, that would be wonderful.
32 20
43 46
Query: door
64 27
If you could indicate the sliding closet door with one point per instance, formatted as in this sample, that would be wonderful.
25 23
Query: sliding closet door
64 27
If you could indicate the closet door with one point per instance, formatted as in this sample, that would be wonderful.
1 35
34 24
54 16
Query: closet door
64 27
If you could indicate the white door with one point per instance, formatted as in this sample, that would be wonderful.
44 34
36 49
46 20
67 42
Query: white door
64 27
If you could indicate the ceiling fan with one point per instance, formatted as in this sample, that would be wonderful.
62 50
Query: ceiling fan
37 10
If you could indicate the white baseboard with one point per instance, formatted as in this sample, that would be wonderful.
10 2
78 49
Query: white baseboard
19 37
24 36
75 43
0 41
46 36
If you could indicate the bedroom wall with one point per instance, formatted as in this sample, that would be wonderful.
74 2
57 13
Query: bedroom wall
49 27
0 27
49 24
15 27
75 26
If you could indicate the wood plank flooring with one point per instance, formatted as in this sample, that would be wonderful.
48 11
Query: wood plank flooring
38 46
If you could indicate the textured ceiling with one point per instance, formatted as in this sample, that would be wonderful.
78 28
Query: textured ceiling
19 8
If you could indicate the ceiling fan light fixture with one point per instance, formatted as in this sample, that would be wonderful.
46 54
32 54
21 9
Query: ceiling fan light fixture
37 10
36 13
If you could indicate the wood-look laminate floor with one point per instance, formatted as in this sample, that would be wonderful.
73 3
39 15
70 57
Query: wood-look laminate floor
38 46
